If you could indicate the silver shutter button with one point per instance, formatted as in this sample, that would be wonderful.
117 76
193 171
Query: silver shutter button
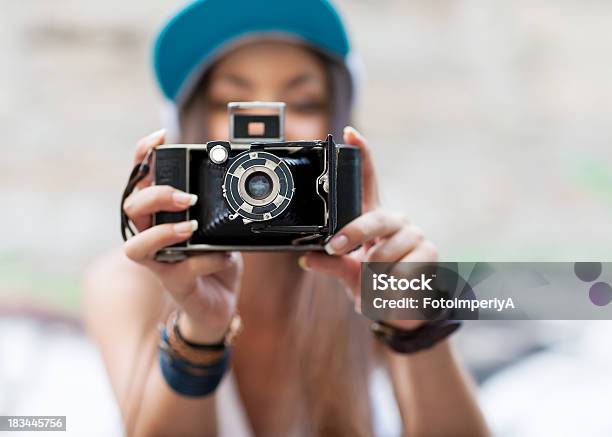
218 154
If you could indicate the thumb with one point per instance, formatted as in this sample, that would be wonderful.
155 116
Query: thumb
344 268
232 274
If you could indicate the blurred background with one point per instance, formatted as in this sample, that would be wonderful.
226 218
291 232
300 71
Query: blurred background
490 125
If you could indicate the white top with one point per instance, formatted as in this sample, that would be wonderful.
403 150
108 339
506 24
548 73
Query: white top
233 421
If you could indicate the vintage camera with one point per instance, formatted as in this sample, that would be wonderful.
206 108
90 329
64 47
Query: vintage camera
258 192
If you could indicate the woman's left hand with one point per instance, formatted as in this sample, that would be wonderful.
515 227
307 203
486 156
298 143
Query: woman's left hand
382 235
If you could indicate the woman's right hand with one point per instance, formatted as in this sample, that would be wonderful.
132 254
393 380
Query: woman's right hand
206 286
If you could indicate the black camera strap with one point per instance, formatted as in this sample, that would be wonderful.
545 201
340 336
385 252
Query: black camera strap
139 172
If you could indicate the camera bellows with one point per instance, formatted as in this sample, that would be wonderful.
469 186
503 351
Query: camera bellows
218 221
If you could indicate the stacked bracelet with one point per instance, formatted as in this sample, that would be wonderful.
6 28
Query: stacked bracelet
193 369
187 378
409 341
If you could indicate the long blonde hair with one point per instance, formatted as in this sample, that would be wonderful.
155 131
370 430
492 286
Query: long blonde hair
331 344
333 350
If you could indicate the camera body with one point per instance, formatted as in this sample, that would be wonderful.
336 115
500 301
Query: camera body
258 192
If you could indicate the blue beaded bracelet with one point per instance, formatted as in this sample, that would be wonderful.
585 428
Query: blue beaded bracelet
189 379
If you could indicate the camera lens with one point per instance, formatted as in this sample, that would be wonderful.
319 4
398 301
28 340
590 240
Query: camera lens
258 185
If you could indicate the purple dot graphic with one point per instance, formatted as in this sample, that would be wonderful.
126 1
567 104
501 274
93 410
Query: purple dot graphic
600 294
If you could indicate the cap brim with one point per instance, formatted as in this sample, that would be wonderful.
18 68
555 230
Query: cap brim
200 30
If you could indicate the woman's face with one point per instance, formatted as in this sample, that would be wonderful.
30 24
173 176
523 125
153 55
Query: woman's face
274 72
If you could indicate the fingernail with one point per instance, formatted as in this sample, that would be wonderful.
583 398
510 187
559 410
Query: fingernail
186 228
336 244
357 305
303 263
184 199
351 130
157 134
154 138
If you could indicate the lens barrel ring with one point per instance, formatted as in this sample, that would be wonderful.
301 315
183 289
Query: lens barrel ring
236 192
254 171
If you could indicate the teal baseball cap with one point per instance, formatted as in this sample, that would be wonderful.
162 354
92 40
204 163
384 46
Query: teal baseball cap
200 32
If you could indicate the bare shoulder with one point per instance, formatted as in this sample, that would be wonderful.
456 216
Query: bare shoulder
122 304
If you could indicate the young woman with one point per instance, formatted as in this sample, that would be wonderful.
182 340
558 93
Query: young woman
304 360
